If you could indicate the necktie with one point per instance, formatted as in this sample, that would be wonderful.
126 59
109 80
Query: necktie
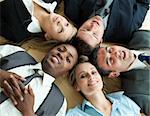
28 79
144 57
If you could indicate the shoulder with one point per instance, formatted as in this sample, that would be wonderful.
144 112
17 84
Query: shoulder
124 101
9 49
11 46
140 39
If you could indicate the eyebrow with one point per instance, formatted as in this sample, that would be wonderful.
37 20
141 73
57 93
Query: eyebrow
106 56
92 68
68 52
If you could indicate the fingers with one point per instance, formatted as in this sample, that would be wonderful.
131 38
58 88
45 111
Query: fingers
13 100
14 82
30 90
18 77
22 86
8 89
9 92
13 88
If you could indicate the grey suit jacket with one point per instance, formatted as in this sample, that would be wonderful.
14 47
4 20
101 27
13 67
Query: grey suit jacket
136 83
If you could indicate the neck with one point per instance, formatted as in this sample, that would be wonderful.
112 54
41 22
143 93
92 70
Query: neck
100 101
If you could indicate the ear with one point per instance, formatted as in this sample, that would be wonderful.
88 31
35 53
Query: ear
76 87
114 74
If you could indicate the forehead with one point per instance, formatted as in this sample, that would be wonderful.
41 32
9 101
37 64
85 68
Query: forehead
101 56
84 67
84 35
87 38
68 32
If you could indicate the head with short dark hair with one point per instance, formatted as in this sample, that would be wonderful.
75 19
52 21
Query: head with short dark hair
60 59
113 58
91 31
82 47
94 61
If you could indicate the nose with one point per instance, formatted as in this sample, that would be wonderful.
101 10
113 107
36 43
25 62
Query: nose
116 54
62 55
90 76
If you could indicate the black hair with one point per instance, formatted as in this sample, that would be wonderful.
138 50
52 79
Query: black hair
93 59
82 47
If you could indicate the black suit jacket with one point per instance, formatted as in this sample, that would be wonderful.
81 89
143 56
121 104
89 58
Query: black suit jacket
125 17
15 19
136 83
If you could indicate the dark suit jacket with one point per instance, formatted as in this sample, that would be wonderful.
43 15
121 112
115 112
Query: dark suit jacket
136 83
125 17
15 19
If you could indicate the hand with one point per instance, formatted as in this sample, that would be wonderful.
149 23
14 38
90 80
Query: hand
26 106
12 85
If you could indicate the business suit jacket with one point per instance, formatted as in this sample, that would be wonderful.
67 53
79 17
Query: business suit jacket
136 83
15 19
125 17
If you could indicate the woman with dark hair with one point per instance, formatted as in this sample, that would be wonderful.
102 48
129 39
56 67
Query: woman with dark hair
21 19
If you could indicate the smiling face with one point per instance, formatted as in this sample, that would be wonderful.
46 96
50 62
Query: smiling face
115 58
60 60
58 28
92 31
88 80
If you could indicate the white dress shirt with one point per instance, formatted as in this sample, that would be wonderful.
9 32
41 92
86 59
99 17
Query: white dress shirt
41 87
137 64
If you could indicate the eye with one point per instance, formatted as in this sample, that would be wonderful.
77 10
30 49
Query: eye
94 72
109 49
67 24
68 60
58 22
83 76
95 35
62 49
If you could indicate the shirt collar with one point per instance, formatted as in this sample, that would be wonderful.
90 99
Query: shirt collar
47 79
115 98
88 104
137 63
34 26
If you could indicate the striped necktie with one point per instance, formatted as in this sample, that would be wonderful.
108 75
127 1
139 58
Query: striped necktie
144 58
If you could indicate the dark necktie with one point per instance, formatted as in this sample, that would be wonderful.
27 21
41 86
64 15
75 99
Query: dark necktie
28 79
144 57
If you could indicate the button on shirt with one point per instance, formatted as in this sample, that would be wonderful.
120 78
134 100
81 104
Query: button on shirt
137 64
121 106
40 86
34 26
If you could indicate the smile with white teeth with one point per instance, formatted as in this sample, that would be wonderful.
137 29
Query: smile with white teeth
92 83
55 59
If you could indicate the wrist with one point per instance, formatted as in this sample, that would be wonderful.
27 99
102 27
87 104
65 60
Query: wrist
29 113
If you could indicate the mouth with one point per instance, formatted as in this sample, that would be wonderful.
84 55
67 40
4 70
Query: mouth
55 59
96 22
124 55
93 83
